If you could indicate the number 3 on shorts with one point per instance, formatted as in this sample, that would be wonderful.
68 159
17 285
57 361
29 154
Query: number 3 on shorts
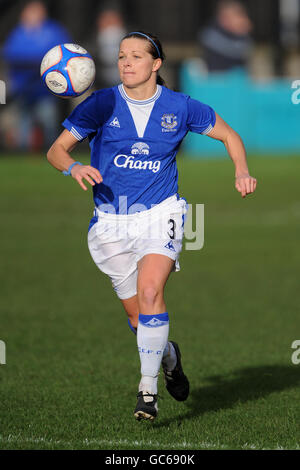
173 227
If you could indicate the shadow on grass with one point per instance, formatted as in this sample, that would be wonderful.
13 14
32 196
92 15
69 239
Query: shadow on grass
241 386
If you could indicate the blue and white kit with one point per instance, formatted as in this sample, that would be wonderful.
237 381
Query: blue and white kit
134 145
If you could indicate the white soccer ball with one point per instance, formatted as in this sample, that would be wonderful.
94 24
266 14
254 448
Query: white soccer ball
68 70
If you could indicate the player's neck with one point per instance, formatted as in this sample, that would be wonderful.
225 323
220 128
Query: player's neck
141 92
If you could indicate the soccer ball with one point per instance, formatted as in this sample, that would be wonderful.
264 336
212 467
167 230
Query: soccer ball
68 70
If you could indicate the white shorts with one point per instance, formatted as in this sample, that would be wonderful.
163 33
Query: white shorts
118 242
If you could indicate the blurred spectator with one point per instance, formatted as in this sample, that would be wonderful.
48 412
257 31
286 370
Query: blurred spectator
226 42
22 52
110 31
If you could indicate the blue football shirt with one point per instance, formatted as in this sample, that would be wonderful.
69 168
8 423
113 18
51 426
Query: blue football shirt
134 143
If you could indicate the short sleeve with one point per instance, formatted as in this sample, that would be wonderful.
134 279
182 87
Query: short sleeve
201 117
89 115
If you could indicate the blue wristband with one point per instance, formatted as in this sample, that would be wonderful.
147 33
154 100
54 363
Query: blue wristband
68 172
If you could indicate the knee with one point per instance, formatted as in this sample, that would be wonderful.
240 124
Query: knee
148 295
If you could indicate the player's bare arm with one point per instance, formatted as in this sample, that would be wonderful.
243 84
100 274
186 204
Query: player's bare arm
244 183
59 157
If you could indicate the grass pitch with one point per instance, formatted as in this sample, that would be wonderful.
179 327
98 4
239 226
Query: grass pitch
72 367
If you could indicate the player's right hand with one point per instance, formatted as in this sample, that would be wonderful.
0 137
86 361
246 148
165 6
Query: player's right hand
87 172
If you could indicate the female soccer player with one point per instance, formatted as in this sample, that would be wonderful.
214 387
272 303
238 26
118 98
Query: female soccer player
135 236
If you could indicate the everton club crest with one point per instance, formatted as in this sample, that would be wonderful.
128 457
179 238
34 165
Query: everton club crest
169 122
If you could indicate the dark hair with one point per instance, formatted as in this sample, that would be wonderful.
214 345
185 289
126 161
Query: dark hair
223 4
155 49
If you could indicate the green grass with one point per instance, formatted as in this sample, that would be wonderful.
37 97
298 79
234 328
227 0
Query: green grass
72 368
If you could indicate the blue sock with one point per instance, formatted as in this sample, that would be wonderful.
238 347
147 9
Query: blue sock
134 330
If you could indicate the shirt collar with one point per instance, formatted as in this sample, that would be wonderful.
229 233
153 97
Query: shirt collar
140 102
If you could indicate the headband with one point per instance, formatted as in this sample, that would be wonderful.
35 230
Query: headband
149 39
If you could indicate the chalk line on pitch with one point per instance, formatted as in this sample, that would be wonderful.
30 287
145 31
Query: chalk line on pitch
125 442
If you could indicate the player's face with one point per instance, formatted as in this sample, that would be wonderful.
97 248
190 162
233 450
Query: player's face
136 64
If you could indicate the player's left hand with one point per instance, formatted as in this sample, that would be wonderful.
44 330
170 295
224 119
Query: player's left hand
245 184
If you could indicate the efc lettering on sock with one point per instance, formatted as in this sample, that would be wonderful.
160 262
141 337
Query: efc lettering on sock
149 351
